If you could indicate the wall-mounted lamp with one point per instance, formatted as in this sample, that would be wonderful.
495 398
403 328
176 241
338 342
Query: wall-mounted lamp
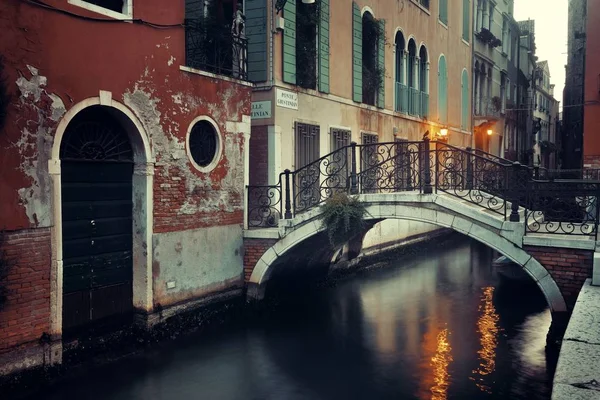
490 132
444 132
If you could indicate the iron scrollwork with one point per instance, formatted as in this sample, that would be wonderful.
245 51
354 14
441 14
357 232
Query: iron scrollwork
566 208
264 206
316 182
471 177
390 167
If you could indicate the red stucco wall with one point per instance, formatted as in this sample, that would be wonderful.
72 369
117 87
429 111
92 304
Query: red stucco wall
140 65
591 127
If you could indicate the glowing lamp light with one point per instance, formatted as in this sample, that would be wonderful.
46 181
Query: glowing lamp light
444 132
308 1
489 132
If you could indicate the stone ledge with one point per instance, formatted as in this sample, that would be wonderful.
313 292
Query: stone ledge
266 233
561 241
580 350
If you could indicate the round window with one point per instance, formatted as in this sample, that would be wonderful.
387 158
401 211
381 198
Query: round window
203 144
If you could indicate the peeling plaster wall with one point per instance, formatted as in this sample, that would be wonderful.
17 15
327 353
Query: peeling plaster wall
186 266
54 61
57 61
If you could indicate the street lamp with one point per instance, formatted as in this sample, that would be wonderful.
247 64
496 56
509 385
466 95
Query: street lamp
444 132
281 3
490 132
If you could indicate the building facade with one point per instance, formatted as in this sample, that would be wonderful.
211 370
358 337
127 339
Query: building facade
124 162
365 71
545 118
591 100
574 92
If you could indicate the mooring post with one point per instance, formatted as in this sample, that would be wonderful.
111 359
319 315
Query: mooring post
426 165
515 192
353 183
288 205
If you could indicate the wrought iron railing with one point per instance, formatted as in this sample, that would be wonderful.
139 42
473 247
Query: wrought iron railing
390 167
212 46
567 207
507 188
487 109
264 205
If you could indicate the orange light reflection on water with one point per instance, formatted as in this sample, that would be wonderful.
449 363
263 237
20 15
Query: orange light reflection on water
440 362
487 327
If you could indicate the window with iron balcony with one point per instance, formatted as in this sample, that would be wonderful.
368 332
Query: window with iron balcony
215 37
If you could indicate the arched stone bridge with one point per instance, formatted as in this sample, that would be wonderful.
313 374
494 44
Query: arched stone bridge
547 227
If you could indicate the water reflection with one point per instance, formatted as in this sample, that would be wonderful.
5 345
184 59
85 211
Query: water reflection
487 327
440 362
437 326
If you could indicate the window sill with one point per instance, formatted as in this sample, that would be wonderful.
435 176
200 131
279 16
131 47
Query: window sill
423 8
214 76
465 42
443 24
104 11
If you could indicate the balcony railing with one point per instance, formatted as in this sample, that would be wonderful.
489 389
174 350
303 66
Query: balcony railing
424 105
414 104
487 110
401 98
215 47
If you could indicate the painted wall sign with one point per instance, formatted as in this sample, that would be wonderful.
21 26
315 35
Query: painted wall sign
287 99
261 109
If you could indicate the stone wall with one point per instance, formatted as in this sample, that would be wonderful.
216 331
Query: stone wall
253 251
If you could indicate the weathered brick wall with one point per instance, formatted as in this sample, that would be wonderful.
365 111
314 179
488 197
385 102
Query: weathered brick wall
259 155
591 161
253 251
569 268
26 314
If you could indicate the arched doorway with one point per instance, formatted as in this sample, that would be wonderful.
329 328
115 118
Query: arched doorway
97 219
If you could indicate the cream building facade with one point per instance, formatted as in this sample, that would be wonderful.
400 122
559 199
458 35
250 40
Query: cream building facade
366 71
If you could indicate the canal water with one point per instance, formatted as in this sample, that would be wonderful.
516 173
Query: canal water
435 325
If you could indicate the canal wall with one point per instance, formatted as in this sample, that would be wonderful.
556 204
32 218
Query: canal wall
577 375
392 233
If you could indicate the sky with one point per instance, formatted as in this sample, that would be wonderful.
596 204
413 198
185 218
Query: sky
550 35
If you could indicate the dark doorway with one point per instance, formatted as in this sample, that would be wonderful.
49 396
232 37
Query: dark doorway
97 168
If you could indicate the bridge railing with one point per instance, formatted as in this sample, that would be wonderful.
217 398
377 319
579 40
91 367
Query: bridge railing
563 207
506 188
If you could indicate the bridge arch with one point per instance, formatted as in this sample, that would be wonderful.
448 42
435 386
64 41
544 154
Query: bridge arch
308 225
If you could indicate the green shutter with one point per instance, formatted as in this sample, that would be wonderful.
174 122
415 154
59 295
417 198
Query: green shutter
324 46
256 32
442 91
381 61
356 53
444 11
289 42
466 19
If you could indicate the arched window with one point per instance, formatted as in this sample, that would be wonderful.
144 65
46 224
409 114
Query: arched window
424 81
442 90
412 78
464 116
373 64
400 85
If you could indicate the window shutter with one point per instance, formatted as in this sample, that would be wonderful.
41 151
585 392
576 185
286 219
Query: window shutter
324 46
356 53
444 11
256 32
466 19
381 62
289 42
442 91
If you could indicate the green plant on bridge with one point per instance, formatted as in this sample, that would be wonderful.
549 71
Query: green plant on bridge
343 217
